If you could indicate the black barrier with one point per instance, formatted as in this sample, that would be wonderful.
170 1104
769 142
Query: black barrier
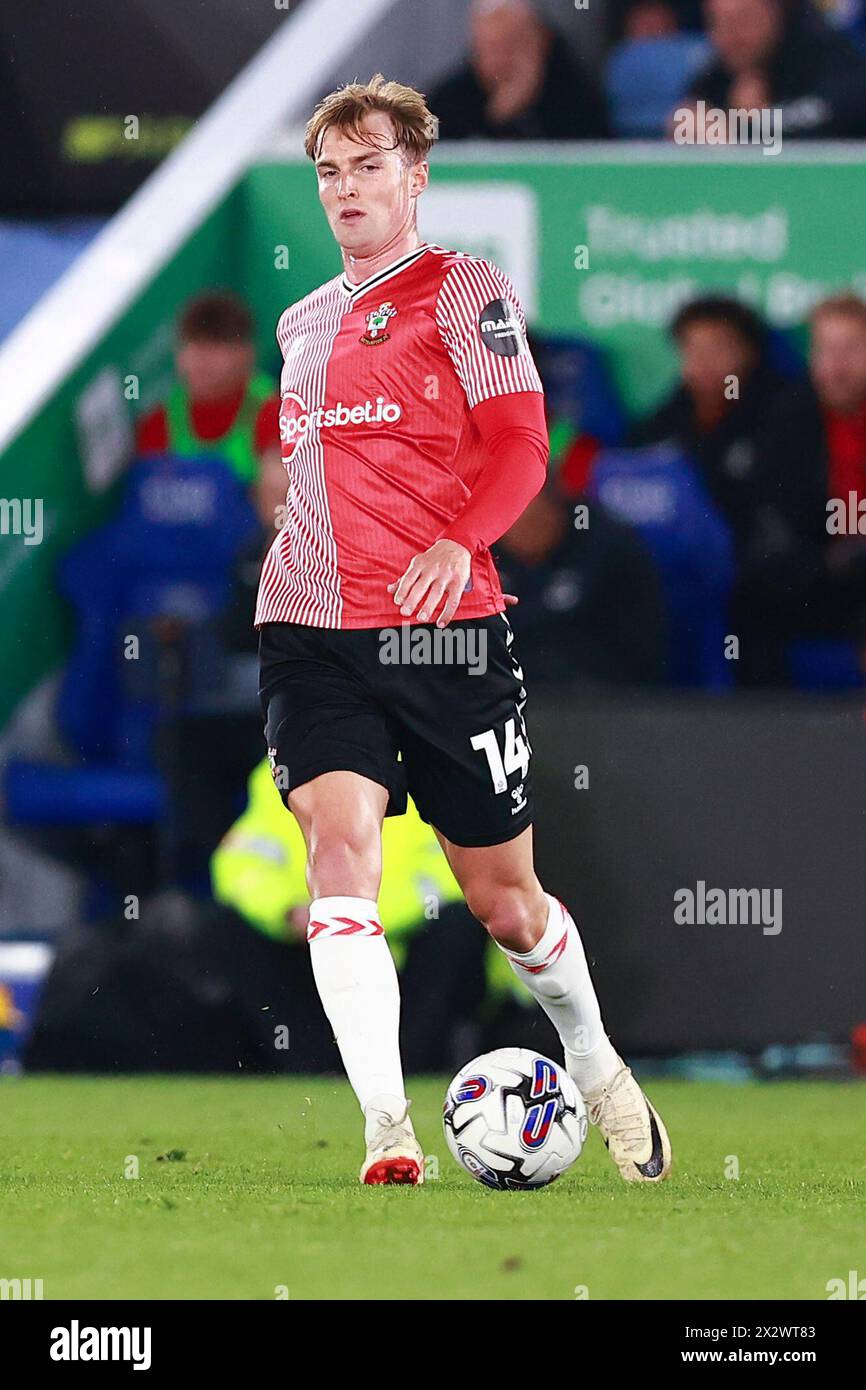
639 803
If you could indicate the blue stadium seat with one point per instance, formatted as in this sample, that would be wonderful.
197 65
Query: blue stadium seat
848 16
40 795
818 663
658 492
578 387
160 572
785 354
646 78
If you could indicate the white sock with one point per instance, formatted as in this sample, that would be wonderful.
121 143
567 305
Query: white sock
556 973
357 983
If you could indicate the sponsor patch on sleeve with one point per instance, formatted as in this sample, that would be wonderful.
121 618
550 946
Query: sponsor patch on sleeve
500 328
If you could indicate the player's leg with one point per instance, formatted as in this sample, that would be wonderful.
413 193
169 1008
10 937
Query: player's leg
340 815
542 943
541 940
468 761
335 764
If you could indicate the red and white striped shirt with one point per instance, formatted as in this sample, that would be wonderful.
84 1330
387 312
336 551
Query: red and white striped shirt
378 384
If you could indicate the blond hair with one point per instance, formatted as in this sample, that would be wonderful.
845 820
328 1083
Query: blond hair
415 127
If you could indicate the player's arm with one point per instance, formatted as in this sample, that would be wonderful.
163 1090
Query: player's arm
484 333
514 431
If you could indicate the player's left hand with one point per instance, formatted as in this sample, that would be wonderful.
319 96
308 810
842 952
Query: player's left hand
442 572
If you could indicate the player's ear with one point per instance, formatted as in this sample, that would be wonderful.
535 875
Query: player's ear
419 177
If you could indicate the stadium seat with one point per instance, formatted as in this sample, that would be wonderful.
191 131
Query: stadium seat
785 355
646 78
158 573
579 388
819 663
658 492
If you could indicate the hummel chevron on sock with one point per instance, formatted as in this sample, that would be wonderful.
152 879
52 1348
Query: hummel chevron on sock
556 973
357 983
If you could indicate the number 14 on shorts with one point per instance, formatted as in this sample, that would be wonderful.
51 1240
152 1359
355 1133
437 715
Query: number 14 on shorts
514 756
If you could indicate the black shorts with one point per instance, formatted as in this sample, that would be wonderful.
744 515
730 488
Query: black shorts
416 710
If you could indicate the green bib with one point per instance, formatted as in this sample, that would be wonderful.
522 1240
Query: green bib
237 446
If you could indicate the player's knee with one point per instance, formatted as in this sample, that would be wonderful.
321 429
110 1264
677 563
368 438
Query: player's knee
343 857
510 915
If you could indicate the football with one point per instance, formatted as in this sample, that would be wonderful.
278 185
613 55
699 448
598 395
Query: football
514 1119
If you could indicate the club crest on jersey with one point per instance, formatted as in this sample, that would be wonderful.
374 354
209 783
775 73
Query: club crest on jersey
377 323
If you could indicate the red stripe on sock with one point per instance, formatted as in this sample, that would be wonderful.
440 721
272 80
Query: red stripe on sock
359 926
350 929
548 960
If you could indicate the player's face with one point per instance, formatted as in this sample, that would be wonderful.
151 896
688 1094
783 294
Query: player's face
367 189
837 361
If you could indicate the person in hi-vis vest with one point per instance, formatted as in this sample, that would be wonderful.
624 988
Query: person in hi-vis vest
220 404
259 870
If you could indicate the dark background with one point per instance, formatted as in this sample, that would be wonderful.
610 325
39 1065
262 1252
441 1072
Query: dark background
746 794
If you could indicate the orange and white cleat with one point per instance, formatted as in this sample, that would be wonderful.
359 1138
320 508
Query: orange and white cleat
393 1153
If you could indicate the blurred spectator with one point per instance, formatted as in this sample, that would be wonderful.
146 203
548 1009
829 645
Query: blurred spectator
716 411
651 19
591 603
847 15
259 870
269 497
520 82
813 449
208 787
814 441
221 405
781 53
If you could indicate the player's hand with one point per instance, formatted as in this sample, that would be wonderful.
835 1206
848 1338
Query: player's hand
442 572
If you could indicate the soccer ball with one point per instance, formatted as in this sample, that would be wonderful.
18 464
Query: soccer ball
514 1119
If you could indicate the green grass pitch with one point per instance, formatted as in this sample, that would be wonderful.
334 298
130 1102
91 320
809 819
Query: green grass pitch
248 1187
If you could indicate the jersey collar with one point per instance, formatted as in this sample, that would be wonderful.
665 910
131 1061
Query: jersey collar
387 271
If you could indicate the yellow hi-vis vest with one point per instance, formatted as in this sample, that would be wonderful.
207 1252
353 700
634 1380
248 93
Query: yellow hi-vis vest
259 867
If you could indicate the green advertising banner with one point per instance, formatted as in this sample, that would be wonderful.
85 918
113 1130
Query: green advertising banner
601 243
73 451
607 249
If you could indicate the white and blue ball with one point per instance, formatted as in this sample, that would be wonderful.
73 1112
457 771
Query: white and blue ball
514 1119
